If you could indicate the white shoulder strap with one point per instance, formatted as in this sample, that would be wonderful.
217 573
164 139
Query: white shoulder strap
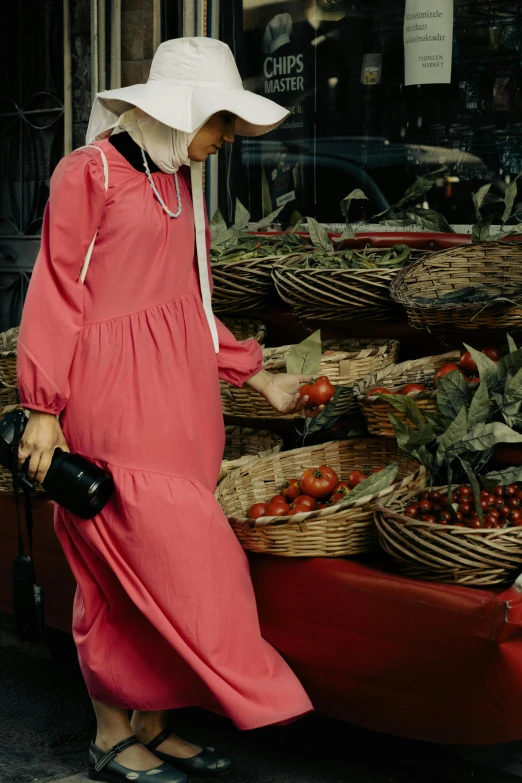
87 259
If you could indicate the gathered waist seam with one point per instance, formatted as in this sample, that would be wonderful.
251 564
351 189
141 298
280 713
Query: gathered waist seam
193 294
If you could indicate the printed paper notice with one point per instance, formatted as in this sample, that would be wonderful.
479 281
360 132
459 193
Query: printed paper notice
428 41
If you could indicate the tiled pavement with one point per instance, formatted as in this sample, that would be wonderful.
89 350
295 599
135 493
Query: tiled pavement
45 724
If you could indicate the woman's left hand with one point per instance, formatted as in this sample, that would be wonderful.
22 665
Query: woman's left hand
281 390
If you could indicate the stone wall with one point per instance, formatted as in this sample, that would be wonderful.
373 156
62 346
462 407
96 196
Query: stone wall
137 40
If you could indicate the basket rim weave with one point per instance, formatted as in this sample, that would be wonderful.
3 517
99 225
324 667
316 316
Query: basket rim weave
274 358
399 284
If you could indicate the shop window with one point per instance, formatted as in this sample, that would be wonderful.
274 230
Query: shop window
338 66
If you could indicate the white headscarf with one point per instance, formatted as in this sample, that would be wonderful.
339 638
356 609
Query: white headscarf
166 146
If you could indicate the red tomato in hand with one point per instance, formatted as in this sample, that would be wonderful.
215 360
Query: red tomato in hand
291 489
356 477
380 390
306 502
493 353
444 370
413 387
319 483
468 363
319 392
257 510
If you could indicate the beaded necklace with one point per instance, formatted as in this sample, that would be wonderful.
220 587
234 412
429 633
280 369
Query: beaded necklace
156 193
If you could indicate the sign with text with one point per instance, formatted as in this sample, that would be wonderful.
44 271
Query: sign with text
428 41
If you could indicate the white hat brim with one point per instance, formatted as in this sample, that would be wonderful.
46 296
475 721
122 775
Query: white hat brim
188 108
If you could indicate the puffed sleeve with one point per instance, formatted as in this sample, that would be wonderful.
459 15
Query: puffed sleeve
237 360
53 311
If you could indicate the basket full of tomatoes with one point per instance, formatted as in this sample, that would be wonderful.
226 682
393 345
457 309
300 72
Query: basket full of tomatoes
416 378
343 362
443 537
316 501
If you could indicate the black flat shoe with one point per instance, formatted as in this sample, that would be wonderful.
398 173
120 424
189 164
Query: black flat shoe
103 767
207 762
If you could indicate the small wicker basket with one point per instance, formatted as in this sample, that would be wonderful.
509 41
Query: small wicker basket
493 266
331 532
242 285
446 553
245 328
376 410
330 294
244 444
343 362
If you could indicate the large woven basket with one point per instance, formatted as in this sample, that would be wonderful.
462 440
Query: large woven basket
492 266
329 294
331 532
245 328
242 285
376 410
446 553
244 444
344 362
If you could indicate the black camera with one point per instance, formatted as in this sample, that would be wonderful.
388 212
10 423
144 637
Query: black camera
72 481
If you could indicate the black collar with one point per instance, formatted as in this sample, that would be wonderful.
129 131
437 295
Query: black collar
127 147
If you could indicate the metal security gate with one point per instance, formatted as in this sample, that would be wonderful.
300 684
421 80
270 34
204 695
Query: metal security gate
31 137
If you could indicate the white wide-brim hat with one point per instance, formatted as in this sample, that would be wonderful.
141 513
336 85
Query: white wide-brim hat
190 80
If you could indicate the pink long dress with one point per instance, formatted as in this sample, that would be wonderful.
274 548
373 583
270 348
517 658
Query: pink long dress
164 614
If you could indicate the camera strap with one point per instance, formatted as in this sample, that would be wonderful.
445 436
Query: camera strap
27 496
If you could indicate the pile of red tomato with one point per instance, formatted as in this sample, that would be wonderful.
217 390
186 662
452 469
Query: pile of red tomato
316 489
500 508
466 366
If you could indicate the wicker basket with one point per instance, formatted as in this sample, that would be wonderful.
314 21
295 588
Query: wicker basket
8 380
245 328
346 362
331 532
446 553
394 377
242 285
328 294
244 444
494 266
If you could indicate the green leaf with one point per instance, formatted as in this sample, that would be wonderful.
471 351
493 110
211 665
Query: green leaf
454 434
217 225
406 406
376 482
487 369
502 477
511 343
482 229
241 216
484 436
423 456
478 198
427 218
480 406
453 392
511 363
355 195
348 233
268 220
229 237
305 358
509 198
474 486
415 192
319 235
408 438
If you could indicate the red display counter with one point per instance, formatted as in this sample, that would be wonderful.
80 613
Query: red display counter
432 662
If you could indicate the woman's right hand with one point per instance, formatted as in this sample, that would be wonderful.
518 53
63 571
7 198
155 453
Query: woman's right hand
42 435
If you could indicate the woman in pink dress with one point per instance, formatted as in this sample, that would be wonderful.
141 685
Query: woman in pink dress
119 360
